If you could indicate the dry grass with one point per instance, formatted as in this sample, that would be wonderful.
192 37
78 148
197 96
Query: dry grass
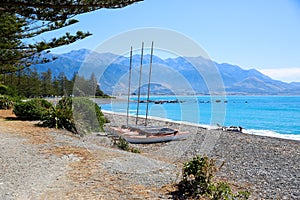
27 129
7 113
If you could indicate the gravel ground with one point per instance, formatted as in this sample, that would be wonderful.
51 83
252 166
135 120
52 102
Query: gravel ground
39 163
268 167
19 162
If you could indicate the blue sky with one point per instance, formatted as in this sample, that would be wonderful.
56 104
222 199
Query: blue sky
260 34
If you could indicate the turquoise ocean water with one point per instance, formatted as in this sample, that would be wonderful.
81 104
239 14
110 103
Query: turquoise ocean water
276 116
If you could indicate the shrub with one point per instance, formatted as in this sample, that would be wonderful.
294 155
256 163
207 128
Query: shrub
60 116
6 90
88 115
3 89
79 115
34 109
135 150
197 176
124 145
6 102
197 182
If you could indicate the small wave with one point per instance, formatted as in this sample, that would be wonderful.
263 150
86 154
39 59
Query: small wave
274 134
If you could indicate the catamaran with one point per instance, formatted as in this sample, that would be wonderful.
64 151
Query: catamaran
143 133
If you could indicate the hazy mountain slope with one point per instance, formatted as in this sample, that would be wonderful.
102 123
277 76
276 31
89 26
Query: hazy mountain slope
176 75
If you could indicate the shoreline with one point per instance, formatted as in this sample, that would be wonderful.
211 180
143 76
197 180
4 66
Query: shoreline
262 133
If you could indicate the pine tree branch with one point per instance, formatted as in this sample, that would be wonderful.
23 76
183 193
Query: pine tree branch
22 20
93 5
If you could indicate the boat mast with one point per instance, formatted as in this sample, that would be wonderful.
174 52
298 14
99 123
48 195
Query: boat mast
129 81
140 83
148 94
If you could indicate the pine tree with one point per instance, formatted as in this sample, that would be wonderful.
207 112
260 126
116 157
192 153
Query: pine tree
22 20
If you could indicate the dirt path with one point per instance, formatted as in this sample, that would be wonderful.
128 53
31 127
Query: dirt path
43 163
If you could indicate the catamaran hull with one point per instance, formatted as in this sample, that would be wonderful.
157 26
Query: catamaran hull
154 139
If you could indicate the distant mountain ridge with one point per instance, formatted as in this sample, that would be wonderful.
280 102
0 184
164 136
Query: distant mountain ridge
170 76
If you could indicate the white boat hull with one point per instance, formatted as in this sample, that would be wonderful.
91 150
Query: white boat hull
136 138
154 139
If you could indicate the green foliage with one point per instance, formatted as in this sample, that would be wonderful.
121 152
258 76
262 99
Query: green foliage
87 87
221 190
78 115
197 182
197 176
34 109
60 116
134 150
10 27
124 145
22 23
9 91
88 115
243 195
6 102
29 83
3 89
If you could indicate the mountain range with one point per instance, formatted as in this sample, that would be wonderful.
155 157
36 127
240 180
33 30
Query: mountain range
180 75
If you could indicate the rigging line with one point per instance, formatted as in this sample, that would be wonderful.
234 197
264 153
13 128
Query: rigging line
148 93
139 88
129 81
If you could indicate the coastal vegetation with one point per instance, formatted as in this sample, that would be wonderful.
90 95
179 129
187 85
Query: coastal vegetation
34 109
122 144
198 182
22 92
6 102
79 115
29 83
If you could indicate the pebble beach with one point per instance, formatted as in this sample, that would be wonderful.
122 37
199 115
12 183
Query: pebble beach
268 167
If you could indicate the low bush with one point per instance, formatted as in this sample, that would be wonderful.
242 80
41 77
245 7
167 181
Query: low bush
6 102
79 115
3 89
60 116
34 109
197 182
124 145
87 115
9 91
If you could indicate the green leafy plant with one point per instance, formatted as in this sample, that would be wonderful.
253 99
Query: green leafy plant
197 176
197 182
60 116
88 115
6 102
124 145
79 115
8 91
34 109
